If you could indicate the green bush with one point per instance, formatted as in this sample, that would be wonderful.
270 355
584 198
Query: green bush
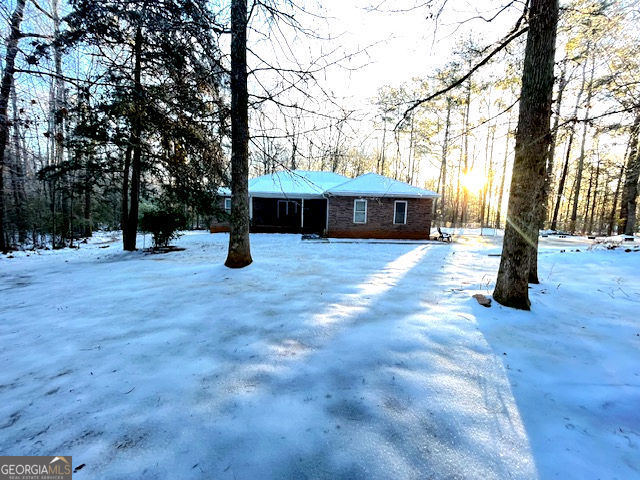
163 225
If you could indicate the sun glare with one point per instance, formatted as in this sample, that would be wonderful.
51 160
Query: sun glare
474 181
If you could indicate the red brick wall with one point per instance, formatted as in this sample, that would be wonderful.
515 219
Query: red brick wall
380 218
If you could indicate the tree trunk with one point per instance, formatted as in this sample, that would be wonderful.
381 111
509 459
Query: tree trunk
239 244
612 217
562 83
88 228
504 174
576 193
124 207
465 132
565 167
487 214
59 114
136 144
630 190
589 228
442 178
5 90
533 137
17 174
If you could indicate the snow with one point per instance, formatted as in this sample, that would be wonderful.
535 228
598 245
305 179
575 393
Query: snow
372 184
321 360
294 183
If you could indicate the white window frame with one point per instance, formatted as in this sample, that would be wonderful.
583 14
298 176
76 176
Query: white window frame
406 208
227 201
355 201
286 207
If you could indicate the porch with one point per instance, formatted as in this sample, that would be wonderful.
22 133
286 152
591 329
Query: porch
288 215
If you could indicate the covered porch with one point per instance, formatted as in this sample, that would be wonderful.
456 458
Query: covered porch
288 215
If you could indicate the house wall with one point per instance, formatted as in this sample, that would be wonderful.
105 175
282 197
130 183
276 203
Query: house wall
219 225
380 218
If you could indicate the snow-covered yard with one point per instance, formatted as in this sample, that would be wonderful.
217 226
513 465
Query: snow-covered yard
321 360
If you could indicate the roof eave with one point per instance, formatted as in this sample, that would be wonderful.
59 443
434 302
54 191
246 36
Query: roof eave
377 194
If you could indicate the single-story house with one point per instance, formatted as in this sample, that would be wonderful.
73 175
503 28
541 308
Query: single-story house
369 206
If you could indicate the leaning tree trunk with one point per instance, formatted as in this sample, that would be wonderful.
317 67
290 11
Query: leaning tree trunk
630 190
532 145
5 89
239 246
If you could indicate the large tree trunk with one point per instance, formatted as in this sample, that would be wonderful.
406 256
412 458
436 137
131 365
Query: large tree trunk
5 90
630 190
129 241
532 146
239 246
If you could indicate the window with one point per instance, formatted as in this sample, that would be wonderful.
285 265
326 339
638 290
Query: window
227 205
287 208
400 211
359 211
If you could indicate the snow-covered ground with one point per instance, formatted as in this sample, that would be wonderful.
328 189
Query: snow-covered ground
321 360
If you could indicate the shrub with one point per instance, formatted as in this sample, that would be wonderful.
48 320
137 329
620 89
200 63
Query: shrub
163 225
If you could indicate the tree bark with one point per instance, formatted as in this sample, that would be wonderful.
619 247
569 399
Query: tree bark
129 242
239 244
532 146
630 189
5 90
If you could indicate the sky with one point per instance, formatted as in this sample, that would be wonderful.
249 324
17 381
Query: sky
400 44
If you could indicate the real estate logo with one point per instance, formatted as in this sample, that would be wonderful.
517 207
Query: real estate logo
35 468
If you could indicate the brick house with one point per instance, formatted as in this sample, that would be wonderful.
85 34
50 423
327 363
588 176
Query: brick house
369 206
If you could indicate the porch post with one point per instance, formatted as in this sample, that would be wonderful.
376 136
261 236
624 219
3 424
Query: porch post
250 208
302 215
